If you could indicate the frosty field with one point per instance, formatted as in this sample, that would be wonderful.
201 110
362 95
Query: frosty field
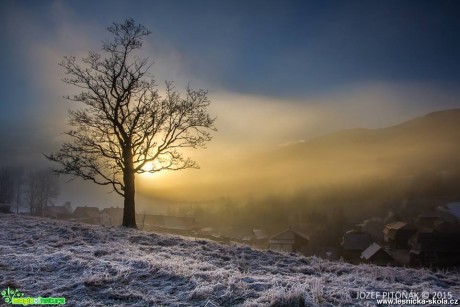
97 266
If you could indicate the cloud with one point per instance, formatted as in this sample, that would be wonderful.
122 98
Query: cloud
248 124
380 104
260 120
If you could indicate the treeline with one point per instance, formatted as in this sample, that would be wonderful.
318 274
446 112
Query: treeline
30 191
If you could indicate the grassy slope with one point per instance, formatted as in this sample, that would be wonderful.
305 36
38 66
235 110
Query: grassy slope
97 266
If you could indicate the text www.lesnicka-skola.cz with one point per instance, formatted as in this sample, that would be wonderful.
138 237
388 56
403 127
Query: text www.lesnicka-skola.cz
409 297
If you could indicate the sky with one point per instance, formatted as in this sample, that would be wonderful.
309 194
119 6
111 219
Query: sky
277 71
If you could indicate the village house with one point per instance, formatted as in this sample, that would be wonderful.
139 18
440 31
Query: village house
89 215
57 212
207 231
289 240
212 234
376 254
354 242
246 239
254 237
172 224
434 247
397 234
432 218
374 227
112 216
259 238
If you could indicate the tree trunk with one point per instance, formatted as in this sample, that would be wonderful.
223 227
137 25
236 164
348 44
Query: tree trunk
18 196
129 212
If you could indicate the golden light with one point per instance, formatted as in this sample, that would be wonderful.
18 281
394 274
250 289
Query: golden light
148 167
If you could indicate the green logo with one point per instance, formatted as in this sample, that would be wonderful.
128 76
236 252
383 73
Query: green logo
16 297
9 294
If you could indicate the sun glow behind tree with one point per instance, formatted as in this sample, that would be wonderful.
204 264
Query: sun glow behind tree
126 127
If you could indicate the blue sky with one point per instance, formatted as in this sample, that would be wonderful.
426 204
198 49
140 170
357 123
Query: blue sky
309 67
281 48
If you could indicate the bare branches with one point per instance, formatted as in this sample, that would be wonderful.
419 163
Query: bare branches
41 189
124 123
182 123
127 37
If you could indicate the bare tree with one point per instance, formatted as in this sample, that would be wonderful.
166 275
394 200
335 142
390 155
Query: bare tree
11 186
41 190
18 188
125 127
6 185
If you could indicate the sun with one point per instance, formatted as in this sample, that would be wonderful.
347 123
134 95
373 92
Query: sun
148 167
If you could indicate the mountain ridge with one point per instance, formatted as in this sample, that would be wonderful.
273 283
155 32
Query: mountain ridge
423 145
440 118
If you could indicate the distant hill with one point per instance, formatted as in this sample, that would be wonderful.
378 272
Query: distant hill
428 144
91 265
438 128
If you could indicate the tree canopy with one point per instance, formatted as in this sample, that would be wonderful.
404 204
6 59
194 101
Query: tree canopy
124 124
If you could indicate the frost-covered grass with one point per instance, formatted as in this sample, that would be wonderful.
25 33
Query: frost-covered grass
96 266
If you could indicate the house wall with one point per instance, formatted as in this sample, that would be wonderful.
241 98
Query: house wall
281 247
289 235
401 239
381 258
292 243
289 241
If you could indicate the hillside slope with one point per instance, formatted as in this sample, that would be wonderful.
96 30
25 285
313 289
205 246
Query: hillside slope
440 126
97 266
426 145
